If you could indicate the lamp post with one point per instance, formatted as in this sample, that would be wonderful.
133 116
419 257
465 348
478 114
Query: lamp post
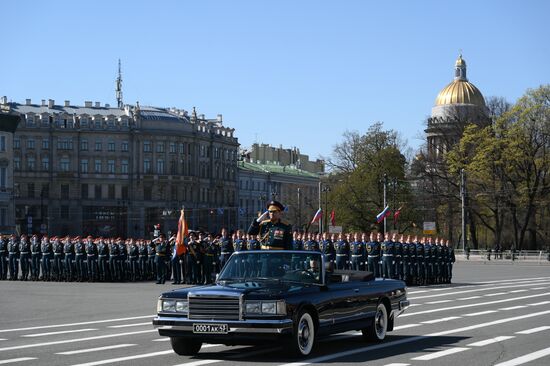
326 189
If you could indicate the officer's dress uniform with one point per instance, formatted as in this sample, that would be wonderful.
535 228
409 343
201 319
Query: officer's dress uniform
3 259
310 246
142 261
253 260
226 249
151 258
24 258
428 263
420 264
373 257
240 246
68 251
58 256
326 247
397 260
80 261
103 259
193 262
210 251
47 254
358 252
452 260
91 264
35 258
342 254
388 259
162 251
13 258
122 261
295 263
405 262
114 261
133 259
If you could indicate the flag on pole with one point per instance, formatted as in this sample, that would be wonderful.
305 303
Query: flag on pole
183 231
396 215
382 215
317 216
333 218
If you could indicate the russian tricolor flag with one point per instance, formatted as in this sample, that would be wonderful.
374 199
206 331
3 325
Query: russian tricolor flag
317 216
382 215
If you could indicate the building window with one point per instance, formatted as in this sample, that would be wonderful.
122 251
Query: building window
124 146
64 164
147 193
2 143
45 163
31 163
84 145
30 190
65 191
97 166
16 143
160 166
111 166
124 192
97 191
3 176
182 148
84 191
45 144
30 121
30 144
160 147
83 122
65 212
173 148
124 167
146 146
146 166
65 144
97 121
173 167
84 166
98 146
111 191
111 146
45 193
17 163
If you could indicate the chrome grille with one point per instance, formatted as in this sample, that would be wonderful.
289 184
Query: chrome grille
214 307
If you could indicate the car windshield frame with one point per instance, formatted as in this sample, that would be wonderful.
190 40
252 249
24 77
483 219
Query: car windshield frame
284 266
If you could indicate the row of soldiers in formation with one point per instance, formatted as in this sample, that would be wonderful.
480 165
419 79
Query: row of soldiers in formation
415 260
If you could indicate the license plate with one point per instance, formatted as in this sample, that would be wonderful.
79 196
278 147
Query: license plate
210 328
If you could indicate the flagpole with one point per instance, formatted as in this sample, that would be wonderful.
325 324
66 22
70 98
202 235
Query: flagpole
321 219
385 184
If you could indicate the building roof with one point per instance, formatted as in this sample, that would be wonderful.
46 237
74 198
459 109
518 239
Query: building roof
273 168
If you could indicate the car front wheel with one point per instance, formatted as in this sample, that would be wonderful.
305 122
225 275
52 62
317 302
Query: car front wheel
377 331
303 337
185 347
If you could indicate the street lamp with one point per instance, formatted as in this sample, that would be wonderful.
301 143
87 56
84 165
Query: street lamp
325 189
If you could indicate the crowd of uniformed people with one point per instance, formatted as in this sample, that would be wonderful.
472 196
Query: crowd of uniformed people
415 260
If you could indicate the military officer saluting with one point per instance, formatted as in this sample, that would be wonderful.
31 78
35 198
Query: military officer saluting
275 234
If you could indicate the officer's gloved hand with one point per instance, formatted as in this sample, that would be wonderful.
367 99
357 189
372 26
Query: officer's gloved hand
264 216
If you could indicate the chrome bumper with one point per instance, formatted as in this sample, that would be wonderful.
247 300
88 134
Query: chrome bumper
248 326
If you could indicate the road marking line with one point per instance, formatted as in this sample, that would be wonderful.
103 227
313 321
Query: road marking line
540 303
514 307
481 284
413 305
432 356
199 363
127 358
477 290
3 362
95 349
441 320
534 330
164 339
398 364
496 294
410 340
405 326
481 313
526 358
76 324
55 333
474 304
490 341
538 288
516 291
76 340
469 298
438 302
129 325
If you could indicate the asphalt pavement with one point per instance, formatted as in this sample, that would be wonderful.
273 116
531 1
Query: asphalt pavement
491 315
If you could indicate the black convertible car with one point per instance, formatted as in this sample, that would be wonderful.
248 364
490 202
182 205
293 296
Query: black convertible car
288 296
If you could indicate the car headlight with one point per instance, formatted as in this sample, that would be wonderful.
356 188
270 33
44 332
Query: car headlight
265 307
182 306
253 307
169 305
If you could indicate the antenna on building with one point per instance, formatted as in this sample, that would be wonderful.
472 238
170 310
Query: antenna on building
119 86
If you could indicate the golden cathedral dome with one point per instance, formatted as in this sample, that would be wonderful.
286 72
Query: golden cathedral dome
460 90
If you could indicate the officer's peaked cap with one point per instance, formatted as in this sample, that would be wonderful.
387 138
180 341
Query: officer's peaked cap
275 206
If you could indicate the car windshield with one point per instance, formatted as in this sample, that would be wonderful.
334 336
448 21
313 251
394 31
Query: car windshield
280 266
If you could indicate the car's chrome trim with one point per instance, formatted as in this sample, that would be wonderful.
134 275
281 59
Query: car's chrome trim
244 326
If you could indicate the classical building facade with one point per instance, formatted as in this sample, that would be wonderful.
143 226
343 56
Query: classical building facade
267 154
99 170
8 126
295 188
457 104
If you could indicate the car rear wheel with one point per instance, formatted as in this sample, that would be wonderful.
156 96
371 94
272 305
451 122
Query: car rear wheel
185 346
377 331
303 337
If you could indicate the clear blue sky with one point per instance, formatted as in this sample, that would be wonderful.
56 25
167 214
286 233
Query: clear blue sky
296 73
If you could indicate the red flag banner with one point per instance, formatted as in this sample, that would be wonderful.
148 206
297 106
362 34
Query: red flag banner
396 214
183 231
333 218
